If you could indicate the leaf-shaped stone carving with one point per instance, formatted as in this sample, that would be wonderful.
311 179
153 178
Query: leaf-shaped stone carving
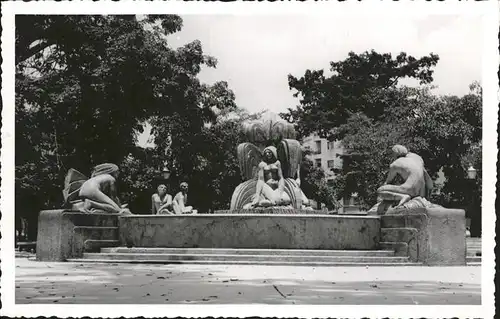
249 157
256 132
243 194
290 156
72 184
269 128
280 129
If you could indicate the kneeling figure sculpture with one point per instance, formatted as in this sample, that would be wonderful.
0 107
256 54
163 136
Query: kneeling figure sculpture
416 186
97 194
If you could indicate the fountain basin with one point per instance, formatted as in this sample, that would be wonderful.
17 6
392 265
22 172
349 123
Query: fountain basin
280 231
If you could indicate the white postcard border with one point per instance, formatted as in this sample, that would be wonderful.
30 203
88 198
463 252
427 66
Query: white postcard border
488 9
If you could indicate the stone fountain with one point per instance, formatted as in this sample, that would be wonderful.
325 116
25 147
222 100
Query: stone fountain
269 163
268 211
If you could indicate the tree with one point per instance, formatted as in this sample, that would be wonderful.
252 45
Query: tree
215 180
451 133
362 105
214 173
140 175
315 186
362 83
85 85
445 131
102 78
180 136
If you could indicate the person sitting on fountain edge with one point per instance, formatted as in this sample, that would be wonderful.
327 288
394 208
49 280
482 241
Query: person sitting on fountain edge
180 201
161 202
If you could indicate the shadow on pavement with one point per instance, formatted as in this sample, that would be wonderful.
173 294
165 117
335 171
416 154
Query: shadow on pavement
160 284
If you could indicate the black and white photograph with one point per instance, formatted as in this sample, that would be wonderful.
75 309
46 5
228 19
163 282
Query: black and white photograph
179 159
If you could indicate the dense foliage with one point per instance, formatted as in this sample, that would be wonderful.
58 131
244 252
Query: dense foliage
210 165
86 85
362 104
445 131
362 83
315 186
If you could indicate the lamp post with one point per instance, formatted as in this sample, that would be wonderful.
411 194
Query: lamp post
353 201
471 173
475 218
165 173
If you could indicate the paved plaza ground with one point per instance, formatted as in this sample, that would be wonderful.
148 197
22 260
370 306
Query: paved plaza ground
43 282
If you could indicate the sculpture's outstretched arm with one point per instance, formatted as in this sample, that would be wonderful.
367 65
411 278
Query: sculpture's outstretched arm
169 200
391 175
101 201
179 200
113 192
167 204
281 180
153 205
91 191
298 176
92 204
260 172
260 183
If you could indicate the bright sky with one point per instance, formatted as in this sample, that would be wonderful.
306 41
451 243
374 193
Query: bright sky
256 53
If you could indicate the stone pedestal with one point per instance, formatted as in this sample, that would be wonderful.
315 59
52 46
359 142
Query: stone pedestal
259 231
64 234
433 236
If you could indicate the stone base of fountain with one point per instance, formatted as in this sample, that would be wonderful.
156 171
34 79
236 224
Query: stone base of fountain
428 236
283 231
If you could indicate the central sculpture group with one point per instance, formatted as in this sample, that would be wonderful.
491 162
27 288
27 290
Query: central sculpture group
269 163
270 166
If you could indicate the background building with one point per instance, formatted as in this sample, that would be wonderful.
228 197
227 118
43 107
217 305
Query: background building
324 154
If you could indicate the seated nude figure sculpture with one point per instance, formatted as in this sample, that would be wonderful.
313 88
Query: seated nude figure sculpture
180 201
270 182
99 192
161 202
417 182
